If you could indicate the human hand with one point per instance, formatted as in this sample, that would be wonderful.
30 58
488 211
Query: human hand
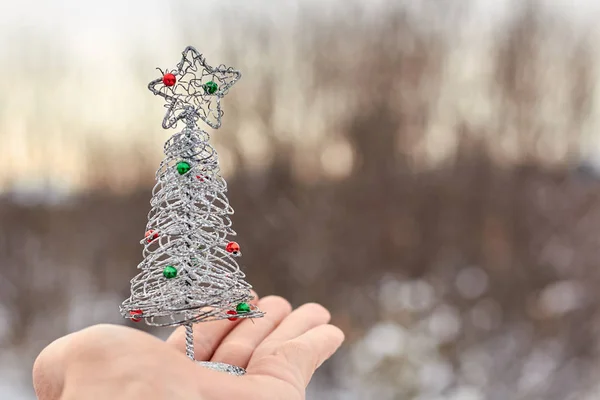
280 352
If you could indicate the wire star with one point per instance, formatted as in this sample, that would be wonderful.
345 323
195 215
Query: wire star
197 91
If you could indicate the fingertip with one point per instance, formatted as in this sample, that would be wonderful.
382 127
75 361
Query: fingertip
336 333
336 338
276 302
316 309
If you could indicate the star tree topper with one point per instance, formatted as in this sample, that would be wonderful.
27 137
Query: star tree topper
194 89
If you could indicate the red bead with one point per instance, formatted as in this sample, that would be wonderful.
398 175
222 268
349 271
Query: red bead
233 247
231 312
169 79
135 312
151 235
200 178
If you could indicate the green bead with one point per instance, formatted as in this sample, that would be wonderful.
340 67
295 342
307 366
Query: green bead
183 167
170 272
211 87
243 308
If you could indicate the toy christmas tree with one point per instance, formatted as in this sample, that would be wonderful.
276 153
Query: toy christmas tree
189 273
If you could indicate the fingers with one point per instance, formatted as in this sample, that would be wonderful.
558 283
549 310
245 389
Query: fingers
240 343
207 336
302 319
307 352
296 360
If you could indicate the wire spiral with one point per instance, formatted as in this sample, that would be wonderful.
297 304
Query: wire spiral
188 273
191 216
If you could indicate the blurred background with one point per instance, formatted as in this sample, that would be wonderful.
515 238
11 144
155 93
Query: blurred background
429 170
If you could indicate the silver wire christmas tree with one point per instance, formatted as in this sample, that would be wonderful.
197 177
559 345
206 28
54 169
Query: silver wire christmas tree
189 273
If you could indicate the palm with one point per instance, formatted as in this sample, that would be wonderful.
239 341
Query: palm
280 352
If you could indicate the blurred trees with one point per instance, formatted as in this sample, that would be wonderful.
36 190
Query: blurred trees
484 258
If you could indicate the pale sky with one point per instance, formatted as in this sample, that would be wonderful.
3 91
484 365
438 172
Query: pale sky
94 41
